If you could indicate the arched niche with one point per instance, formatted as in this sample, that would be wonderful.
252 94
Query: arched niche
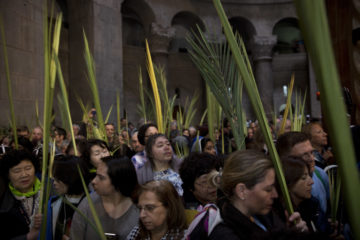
289 39
133 32
184 23
245 28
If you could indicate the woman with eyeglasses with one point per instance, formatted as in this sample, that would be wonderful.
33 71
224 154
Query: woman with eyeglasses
114 184
162 214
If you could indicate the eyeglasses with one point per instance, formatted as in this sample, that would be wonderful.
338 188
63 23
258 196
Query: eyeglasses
148 208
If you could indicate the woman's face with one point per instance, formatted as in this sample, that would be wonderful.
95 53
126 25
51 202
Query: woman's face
22 176
102 182
161 150
318 136
259 199
210 148
96 153
153 214
203 191
60 187
302 188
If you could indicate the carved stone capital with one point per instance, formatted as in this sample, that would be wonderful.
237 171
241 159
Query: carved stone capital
160 38
262 47
215 38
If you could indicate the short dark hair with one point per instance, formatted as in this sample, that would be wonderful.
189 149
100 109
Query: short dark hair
65 169
148 148
142 131
293 168
89 145
24 142
80 146
203 143
60 131
122 174
195 165
13 158
288 140
22 128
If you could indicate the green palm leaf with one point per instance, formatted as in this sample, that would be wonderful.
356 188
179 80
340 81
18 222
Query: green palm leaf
314 26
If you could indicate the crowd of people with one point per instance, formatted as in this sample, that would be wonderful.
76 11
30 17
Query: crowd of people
142 187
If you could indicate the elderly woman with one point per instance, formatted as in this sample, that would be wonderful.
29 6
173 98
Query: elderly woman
162 164
196 174
319 141
19 218
248 181
114 184
162 214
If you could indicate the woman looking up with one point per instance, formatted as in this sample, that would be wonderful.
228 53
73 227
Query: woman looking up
162 164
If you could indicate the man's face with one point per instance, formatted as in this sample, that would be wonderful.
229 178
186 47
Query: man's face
304 150
110 130
36 134
135 144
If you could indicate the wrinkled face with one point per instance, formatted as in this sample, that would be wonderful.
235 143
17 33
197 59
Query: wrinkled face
318 136
149 132
135 144
161 150
102 182
259 199
210 148
203 191
302 188
110 130
36 134
22 176
60 187
304 150
96 153
153 214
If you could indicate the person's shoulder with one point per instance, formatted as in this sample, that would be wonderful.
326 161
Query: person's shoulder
222 231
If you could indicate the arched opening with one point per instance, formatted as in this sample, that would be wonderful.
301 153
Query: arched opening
133 31
245 28
184 23
289 39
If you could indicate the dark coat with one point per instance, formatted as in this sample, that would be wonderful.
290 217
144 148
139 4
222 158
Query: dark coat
13 218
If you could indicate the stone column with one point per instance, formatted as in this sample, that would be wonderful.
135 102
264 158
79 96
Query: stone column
102 22
108 53
159 42
262 57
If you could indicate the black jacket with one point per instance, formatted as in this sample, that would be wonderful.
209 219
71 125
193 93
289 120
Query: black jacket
13 218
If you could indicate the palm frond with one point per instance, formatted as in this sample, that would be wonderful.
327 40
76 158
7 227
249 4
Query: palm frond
150 68
219 71
91 76
8 81
244 68
315 30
